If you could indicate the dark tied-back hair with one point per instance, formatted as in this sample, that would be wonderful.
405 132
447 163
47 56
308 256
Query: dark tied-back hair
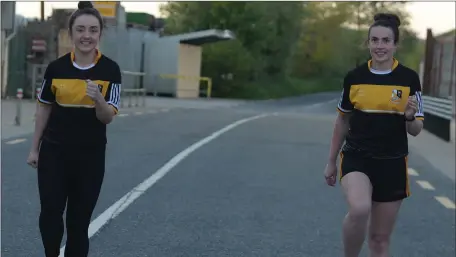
85 7
387 20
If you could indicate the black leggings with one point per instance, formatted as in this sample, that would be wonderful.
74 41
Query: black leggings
72 177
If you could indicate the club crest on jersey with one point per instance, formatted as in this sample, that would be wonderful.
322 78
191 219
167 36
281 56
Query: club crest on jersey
396 96
100 87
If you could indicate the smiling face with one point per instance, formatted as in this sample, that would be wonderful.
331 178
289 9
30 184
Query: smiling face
381 44
85 33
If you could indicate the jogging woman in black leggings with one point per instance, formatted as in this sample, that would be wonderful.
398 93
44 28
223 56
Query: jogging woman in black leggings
80 95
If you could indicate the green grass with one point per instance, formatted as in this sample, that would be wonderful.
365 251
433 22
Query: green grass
274 89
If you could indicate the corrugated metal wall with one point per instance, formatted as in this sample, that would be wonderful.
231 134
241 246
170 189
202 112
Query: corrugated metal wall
125 46
161 57
133 49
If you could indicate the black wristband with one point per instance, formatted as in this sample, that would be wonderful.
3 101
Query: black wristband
407 119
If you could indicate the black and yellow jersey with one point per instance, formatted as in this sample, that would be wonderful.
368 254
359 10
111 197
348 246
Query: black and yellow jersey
73 119
377 101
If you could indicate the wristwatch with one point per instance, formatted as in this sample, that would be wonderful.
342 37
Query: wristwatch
407 119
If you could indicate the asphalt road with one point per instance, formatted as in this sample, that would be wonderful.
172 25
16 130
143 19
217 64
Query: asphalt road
255 190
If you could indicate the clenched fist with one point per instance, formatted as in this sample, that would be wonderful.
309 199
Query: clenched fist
93 91
411 108
32 159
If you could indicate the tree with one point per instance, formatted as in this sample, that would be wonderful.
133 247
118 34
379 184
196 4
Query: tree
276 40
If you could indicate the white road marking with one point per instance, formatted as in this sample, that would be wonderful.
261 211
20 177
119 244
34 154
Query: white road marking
164 110
412 172
152 111
123 115
138 113
140 189
425 185
445 201
16 141
308 107
316 105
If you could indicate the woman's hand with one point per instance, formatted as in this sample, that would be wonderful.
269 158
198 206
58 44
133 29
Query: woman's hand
411 108
32 159
331 174
93 91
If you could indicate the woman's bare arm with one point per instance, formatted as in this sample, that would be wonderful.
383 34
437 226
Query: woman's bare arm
340 131
414 127
43 112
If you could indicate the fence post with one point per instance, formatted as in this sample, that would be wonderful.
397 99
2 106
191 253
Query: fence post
122 94
137 97
209 88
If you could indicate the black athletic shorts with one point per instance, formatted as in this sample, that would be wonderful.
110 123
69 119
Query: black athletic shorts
389 177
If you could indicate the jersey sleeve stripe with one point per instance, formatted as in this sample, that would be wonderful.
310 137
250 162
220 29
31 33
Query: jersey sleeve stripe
420 103
340 109
114 95
339 105
40 98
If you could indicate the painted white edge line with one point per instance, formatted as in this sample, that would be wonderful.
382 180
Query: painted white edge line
317 105
136 192
16 141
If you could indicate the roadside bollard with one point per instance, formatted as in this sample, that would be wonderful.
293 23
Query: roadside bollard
19 95
38 91
122 94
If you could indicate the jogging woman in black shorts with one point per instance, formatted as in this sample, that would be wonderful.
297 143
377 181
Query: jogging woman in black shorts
379 105
80 95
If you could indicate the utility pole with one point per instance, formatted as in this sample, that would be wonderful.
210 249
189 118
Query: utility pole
42 10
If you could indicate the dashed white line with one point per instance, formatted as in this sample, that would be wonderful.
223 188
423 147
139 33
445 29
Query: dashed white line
446 202
443 200
425 185
164 110
123 115
136 192
412 172
152 111
138 113
16 141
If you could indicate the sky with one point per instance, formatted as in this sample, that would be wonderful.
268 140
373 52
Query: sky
438 16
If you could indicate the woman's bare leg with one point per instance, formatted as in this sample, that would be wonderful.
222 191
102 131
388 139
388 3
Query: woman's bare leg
382 221
358 192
